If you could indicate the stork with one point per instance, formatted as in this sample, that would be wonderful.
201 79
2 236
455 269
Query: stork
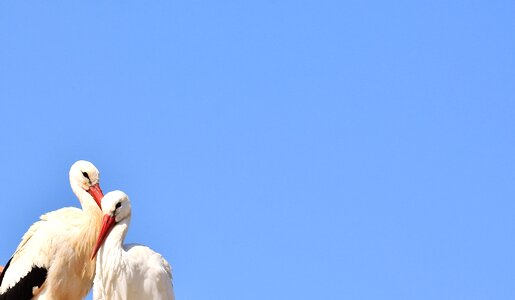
53 259
127 272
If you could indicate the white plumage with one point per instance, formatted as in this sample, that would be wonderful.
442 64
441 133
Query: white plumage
127 272
53 260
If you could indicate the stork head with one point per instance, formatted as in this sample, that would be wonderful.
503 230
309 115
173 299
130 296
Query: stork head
116 207
85 176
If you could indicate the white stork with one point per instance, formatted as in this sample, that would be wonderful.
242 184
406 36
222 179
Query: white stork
53 260
127 272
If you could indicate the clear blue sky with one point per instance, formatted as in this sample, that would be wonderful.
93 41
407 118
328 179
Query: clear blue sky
275 149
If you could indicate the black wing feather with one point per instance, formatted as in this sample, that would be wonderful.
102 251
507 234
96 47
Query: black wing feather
23 289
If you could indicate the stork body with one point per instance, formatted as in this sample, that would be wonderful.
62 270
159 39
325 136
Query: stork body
127 272
53 259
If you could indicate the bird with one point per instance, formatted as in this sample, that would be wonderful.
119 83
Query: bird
52 260
127 272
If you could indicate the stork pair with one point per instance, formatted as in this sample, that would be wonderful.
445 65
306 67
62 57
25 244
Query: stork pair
58 255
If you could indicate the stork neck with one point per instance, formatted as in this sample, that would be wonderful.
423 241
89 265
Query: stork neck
86 200
117 235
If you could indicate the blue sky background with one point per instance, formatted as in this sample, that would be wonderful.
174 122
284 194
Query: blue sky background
275 149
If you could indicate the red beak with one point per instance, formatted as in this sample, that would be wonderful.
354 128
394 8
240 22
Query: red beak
96 193
107 224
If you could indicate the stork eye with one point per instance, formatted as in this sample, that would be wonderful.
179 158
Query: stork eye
85 175
118 205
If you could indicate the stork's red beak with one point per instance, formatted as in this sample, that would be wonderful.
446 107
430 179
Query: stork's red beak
96 193
107 224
